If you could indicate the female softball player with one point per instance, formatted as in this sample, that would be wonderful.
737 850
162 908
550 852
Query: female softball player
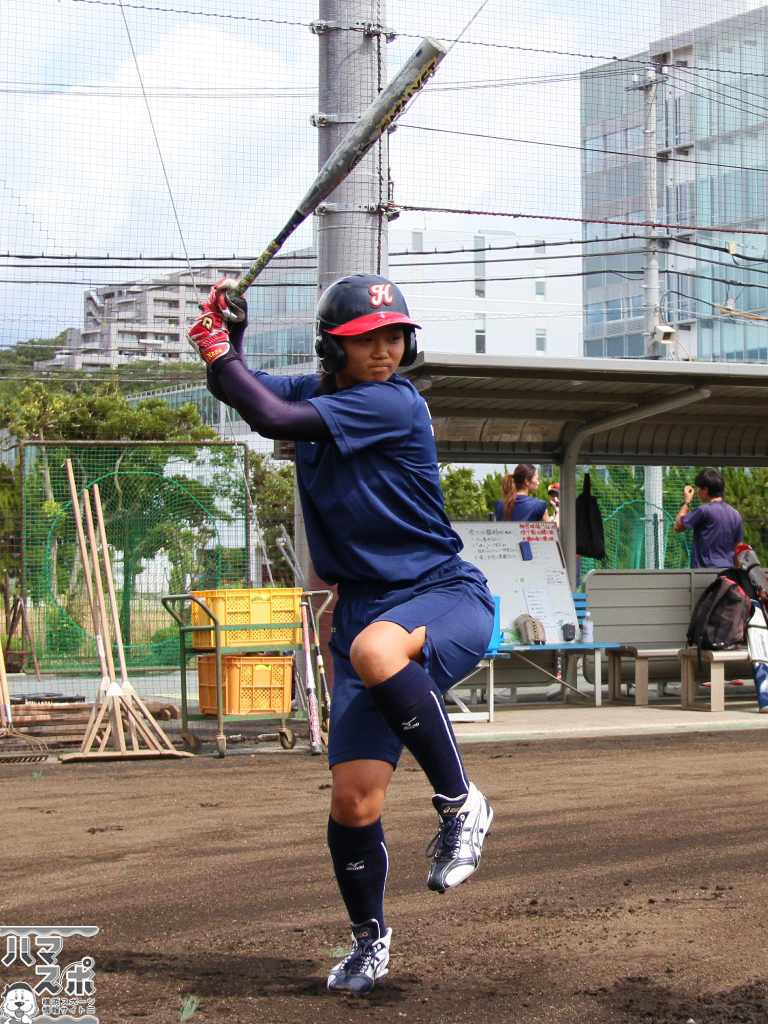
412 618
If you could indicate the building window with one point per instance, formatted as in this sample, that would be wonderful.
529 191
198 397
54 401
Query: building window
480 333
594 349
540 292
541 339
480 267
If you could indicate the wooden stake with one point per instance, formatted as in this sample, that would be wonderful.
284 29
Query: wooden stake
84 558
17 617
128 689
113 699
115 718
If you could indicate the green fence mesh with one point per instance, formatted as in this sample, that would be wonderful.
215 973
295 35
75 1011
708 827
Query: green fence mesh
181 517
177 518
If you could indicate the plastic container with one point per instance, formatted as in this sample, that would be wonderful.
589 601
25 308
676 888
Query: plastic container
268 606
249 685
588 629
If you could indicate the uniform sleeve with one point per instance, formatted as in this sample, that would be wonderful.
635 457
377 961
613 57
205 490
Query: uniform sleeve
377 413
691 519
272 406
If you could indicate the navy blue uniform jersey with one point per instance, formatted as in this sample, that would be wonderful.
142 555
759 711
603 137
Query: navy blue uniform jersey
372 503
526 509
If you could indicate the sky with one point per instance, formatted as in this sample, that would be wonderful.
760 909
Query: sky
215 158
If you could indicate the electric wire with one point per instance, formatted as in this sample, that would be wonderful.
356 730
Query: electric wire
157 142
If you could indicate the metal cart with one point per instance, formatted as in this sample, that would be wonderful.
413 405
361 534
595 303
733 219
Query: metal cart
219 649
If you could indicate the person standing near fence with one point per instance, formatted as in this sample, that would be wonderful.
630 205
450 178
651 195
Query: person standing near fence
717 526
517 503
412 617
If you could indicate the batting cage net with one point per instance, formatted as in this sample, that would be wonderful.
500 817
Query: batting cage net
172 141
559 151
177 517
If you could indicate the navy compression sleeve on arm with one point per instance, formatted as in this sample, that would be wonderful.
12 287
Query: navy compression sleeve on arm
264 411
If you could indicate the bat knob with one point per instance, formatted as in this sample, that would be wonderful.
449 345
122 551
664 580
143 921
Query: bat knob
236 307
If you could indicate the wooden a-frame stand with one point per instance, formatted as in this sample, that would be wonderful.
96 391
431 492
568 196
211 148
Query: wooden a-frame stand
18 617
117 705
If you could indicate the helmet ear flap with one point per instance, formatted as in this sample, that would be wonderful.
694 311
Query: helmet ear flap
411 349
331 354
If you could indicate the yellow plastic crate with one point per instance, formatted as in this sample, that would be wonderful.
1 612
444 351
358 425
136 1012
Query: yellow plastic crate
249 685
242 607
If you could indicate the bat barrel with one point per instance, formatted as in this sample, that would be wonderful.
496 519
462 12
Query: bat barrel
379 116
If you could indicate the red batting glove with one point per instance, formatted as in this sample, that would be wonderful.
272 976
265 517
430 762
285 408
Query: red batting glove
210 336
217 300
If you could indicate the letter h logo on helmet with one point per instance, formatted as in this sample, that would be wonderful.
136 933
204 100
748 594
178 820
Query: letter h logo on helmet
381 294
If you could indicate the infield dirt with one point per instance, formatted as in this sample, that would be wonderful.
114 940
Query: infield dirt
624 882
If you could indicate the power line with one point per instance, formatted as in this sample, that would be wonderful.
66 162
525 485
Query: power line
724 229
635 156
639 60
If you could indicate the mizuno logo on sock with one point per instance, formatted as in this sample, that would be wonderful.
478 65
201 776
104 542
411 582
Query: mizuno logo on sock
355 865
412 724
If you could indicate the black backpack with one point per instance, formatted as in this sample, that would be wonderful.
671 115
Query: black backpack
720 617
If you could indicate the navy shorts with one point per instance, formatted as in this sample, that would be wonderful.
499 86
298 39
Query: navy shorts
454 604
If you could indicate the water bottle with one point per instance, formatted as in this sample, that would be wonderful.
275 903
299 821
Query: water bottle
588 629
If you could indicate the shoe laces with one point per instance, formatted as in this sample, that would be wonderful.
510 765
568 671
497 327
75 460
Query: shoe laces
360 958
445 845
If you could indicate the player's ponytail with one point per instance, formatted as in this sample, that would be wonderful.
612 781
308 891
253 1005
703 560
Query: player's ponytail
508 496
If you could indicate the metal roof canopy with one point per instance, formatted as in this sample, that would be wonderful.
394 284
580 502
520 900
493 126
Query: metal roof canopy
594 411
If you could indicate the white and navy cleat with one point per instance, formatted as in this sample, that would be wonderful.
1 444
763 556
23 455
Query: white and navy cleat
367 961
455 851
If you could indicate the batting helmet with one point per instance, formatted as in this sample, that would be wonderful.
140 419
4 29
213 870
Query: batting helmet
354 305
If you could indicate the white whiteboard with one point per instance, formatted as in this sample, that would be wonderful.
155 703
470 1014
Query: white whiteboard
539 586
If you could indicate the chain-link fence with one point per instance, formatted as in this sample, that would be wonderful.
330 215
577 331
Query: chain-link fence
177 517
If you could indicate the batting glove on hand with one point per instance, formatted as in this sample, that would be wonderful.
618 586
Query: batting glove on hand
221 300
210 336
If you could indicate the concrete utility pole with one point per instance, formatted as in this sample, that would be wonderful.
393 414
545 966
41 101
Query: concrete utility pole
351 227
649 82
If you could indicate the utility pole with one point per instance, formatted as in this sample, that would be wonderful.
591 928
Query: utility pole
648 81
352 223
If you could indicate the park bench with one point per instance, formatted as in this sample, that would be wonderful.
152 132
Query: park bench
647 612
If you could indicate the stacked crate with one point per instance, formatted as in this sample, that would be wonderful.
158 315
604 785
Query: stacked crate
252 682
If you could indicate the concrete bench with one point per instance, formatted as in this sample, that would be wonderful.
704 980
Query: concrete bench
647 612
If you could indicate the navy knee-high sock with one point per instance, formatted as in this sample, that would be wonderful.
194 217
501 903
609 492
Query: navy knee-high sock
360 862
414 710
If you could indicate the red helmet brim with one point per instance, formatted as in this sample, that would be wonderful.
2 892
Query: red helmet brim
370 322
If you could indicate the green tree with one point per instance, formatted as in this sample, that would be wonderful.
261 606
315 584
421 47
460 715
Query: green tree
747 490
143 511
464 496
10 541
271 494
491 485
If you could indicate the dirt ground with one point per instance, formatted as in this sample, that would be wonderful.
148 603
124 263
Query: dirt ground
624 882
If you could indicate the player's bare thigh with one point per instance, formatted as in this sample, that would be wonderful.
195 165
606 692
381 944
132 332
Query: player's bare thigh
384 648
359 788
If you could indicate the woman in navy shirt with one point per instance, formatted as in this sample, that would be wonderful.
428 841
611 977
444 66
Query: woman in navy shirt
517 503
412 617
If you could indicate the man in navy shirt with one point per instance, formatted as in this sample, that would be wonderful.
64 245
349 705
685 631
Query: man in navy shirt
412 617
717 526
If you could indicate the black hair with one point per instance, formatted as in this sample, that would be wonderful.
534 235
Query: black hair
326 383
712 481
